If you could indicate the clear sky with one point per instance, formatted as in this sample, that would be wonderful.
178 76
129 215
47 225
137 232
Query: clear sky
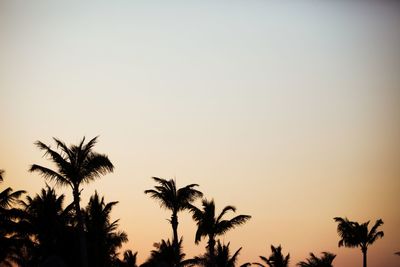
289 110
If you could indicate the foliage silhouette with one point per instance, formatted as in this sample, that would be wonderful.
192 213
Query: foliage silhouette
209 225
167 255
10 240
313 261
276 259
223 257
129 259
76 165
174 199
354 235
102 235
49 226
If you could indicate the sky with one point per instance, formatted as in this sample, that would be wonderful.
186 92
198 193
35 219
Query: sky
288 110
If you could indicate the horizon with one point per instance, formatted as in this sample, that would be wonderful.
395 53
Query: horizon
288 111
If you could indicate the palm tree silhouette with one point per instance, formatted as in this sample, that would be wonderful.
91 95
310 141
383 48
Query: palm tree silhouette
167 254
208 225
103 237
313 261
223 257
276 259
173 199
8 196
129 259
46 221
10 242
354 235
76 165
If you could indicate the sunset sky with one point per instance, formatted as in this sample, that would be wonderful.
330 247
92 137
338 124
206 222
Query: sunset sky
289 110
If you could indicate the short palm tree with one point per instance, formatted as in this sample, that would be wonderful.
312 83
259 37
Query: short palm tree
75 165
174 199
8 196
166 254
313 261
354 235
223 257
9 240
209 225
276 259
103 237
129 259
46 220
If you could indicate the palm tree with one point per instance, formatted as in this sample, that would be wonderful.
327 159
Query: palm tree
166 255
208 225
354 235
76 165
7 196
174 199
10 241
103 237
276 259
47 221
223 257
129 259
313 261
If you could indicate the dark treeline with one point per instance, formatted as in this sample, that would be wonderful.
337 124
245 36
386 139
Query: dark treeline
43 230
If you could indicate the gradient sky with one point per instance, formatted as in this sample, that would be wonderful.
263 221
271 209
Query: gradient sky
289 110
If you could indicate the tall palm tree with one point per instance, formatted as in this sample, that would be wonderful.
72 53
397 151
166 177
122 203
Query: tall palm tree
354 235
209 225
276 259
174 199
313 261
76 165
103 237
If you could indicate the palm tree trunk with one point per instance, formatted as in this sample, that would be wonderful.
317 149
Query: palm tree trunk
211 249
174 222
364 252
82 239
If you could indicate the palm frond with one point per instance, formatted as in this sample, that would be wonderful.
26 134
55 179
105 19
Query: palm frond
224 211
57 158
50 175
223 226
96 165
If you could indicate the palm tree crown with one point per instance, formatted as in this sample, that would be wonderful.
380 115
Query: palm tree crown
174 199
103 237
209 225
8 196
223 257
276 259
46 220
313 261
75 164
354 234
